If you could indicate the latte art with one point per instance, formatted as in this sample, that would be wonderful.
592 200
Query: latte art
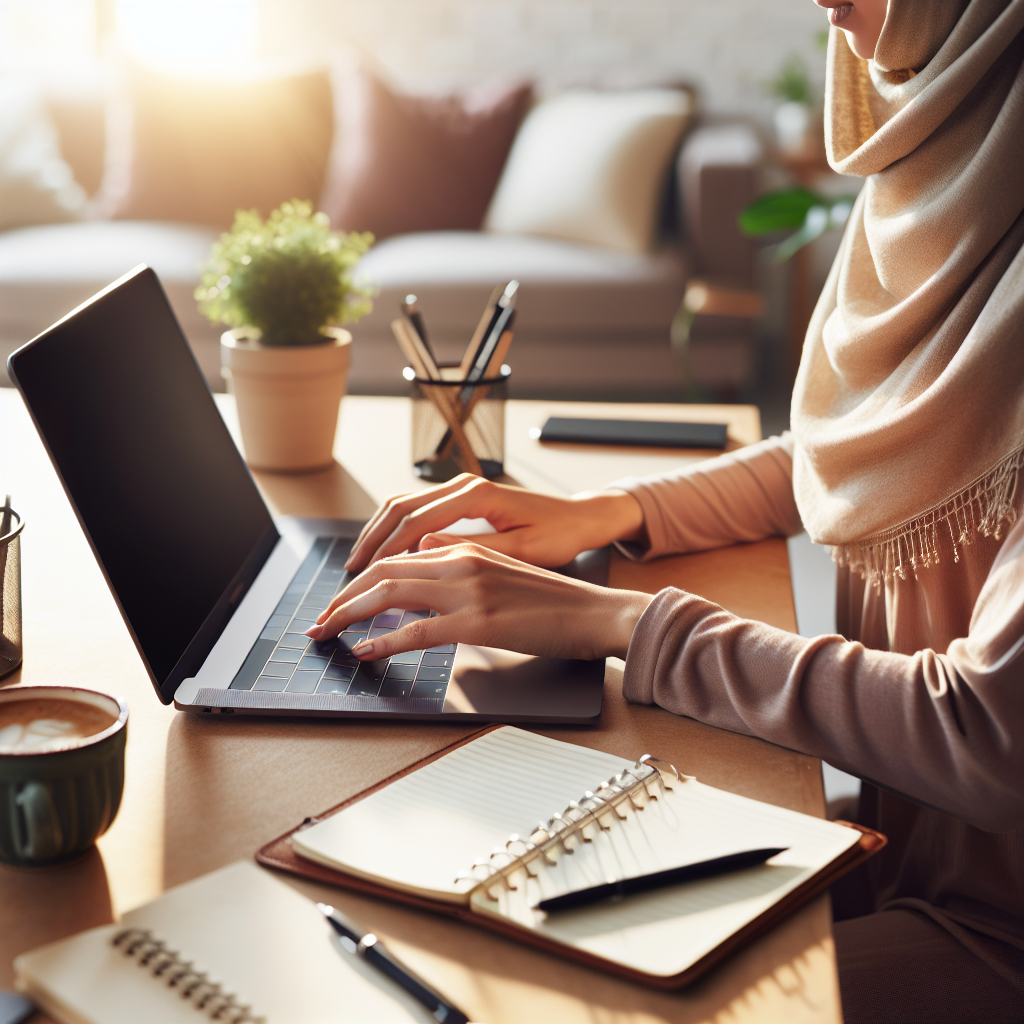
41 724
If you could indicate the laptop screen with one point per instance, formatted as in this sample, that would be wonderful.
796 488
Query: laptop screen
159 487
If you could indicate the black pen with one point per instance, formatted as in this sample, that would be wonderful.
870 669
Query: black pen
366 945
659 879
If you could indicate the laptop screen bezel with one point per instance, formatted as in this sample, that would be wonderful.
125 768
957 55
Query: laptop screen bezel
197 650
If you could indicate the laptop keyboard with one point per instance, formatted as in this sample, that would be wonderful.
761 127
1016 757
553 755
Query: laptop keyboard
284 659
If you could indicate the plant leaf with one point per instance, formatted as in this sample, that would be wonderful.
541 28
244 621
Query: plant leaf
783 210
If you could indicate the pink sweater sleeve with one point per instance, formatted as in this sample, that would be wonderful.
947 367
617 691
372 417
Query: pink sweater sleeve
746 495
961 711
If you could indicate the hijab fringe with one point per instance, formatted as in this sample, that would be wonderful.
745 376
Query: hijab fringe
983 507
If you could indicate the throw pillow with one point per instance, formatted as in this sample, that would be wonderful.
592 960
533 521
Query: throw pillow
405 163
36 185
591 166
195 150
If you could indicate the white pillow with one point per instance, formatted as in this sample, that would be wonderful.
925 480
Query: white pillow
590 166
36 185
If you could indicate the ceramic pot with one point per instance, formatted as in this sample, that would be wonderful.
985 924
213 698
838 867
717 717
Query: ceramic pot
288 397
792 126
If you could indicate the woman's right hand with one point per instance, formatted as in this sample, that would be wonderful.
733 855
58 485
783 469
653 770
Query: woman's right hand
532 527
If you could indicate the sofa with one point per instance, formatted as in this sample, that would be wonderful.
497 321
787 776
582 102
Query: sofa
594 319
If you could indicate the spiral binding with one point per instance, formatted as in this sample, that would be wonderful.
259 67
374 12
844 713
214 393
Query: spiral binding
562 825
195 987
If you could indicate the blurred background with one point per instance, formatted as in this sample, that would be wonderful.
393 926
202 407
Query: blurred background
92 89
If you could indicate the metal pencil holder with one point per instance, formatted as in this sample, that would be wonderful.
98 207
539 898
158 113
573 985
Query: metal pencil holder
10 590
479 409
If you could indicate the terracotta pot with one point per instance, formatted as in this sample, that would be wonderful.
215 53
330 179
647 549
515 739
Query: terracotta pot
288 397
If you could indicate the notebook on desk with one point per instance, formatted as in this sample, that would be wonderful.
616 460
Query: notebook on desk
236 945
494 824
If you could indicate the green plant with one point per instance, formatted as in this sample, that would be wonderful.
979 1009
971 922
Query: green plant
798 210
288 276
793 84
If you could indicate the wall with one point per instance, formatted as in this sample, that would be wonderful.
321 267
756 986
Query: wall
729 48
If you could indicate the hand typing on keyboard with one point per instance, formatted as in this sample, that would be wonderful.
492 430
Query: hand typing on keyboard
481 597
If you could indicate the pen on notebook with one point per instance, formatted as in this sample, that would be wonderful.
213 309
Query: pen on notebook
659 879
366 945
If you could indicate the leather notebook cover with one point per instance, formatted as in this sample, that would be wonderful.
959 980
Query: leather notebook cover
725 927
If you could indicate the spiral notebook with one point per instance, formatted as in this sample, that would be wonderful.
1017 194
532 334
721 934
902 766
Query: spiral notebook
492 825
237 946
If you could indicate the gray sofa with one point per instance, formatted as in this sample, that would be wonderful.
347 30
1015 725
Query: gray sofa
593 322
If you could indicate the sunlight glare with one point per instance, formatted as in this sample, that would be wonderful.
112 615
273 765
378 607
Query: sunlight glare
187 35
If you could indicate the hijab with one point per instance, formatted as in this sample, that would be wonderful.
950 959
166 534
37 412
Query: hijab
908 408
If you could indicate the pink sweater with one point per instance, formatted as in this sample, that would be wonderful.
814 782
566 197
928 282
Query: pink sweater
923 696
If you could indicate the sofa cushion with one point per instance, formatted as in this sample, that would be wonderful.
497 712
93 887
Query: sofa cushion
585 312
195 150
46 271
593 323
590 166
404 163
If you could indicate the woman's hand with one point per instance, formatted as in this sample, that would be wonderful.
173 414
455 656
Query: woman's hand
486 598
532 527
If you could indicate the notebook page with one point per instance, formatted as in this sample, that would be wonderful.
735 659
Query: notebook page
248 931
419 832
665 931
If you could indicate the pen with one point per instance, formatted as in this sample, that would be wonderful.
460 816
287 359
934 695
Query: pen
366 945
411 310
659 879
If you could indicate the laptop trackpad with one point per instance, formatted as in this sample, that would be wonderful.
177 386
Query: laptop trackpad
489 681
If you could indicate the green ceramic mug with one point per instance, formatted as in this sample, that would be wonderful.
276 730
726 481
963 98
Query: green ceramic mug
61 771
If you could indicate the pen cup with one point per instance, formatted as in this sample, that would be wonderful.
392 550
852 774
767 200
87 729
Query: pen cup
10 591
480 409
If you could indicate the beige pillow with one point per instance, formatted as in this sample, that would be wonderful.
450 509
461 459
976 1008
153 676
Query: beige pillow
590 166
195 150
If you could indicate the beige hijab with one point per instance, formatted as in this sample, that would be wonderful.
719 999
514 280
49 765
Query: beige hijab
908 408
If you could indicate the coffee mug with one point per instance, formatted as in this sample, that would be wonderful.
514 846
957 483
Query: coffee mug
61 771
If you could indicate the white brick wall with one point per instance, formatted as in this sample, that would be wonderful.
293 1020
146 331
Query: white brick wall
729 48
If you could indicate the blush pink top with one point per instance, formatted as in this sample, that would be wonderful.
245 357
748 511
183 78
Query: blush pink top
922 696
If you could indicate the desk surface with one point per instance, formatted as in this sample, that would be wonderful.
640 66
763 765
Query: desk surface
201 793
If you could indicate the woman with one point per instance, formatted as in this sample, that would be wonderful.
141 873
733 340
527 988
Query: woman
905 458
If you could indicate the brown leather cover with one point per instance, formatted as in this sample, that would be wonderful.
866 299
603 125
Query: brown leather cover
279 854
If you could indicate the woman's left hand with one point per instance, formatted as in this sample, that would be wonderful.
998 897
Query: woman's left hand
486 598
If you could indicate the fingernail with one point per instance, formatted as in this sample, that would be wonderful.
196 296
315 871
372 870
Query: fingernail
314 631
363 647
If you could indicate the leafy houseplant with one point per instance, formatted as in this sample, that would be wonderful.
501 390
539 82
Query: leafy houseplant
285 286
799 210
288 276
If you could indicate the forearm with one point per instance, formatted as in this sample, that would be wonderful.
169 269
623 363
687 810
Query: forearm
942 733
745 495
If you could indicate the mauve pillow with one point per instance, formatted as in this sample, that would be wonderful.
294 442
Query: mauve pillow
404 163
196 150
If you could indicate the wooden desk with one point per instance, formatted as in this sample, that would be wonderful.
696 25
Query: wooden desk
201 793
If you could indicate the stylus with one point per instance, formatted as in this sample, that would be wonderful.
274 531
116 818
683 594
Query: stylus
367 946
658 879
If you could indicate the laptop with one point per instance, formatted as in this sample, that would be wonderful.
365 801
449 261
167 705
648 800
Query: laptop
216 593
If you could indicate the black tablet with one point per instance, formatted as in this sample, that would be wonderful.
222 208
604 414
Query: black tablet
638 433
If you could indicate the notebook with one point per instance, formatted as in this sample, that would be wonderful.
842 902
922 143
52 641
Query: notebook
494 824
265 952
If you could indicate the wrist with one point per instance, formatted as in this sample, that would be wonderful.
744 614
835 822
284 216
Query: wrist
629 606
615 516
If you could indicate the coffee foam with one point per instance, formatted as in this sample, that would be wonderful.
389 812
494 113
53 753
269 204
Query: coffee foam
40 724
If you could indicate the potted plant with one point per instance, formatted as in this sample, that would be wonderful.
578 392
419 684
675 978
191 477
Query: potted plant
285 287
794 115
